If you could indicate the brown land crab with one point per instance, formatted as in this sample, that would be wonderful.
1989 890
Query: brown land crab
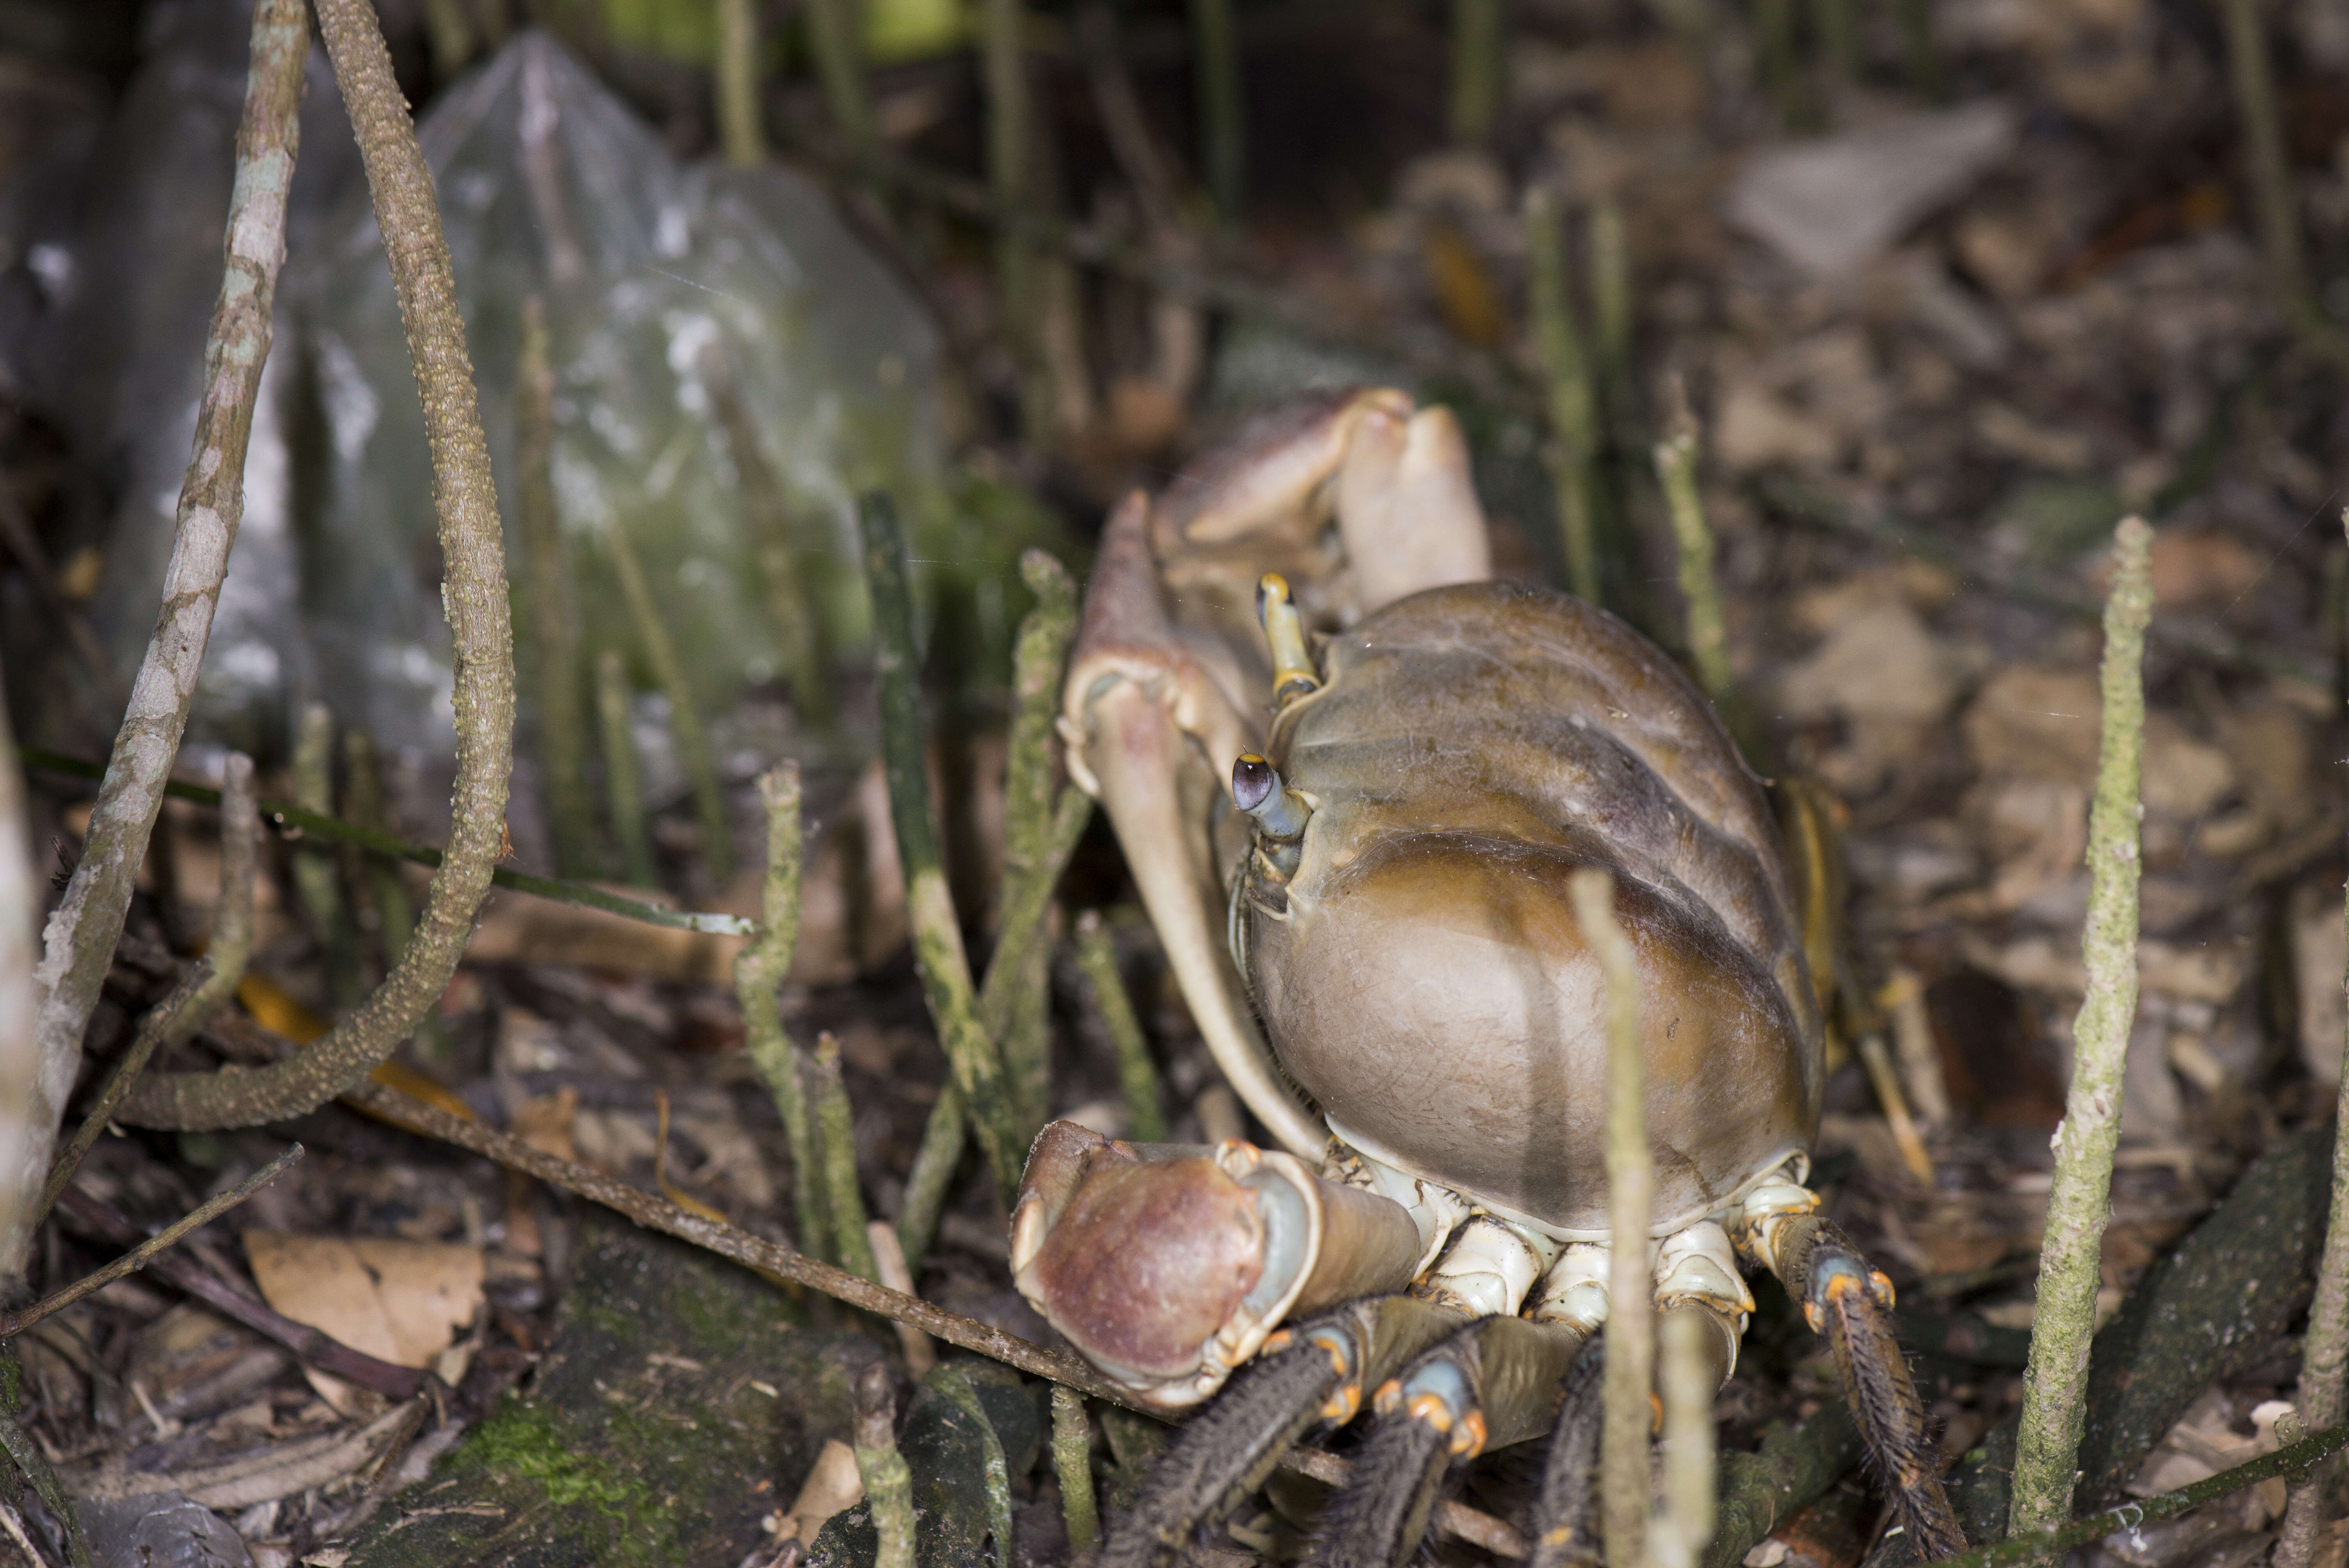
1352 773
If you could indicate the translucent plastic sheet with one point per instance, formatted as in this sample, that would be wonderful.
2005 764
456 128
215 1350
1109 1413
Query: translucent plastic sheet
112 348
686 309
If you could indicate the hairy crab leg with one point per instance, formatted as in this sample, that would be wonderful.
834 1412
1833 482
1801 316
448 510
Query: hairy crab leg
1851 1303
1565 1514
1493 1382
1305 1376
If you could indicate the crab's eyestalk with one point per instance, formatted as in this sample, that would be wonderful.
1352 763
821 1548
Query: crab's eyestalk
1256 789
1293 675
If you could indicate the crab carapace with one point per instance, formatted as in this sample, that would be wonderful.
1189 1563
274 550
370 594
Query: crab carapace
1352 773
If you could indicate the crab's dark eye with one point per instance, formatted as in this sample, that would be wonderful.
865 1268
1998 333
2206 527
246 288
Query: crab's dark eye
1253 779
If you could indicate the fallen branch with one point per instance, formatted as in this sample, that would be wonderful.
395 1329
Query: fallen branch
160 1022
376 842
2290 1460
773 1259
472 592
131 1262
87 922
308 1345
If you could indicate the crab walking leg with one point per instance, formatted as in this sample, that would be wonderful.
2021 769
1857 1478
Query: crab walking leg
1565 1513
1695 1274
1851 1304
1492 1383
1305 1375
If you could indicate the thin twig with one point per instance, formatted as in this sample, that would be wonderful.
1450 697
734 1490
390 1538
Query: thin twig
727 1241
1478 69
21 898
1573 446
1708 631
17 534
2274 199
554 615
1018 948
395 912
1608 250
684 725
232 940
1072 1462
624 787
1137 1075
1630 1196
378 842
87 923
839 53
1010 158
16 1528
785 570
2293 1459
835 1125
15 1323
317 869
308 1345
1685 1379
1223 143
1184 277
758 970
2054 1403
160 1025
472 594
888 1481
2325 1354
738 84
937 936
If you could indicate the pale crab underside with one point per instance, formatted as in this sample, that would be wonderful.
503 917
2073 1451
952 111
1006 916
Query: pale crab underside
1352 773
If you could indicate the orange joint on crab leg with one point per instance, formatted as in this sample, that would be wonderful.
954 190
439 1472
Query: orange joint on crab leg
1293 675
1436 1392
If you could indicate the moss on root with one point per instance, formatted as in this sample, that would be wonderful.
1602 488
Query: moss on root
648 1438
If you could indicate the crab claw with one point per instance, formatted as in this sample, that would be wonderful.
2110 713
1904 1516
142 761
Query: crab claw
1166 1266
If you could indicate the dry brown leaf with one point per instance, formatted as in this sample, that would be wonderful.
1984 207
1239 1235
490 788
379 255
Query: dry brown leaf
2320 955
2033 721
399 1301
1879 663
2202 568
546 1123
831 1486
